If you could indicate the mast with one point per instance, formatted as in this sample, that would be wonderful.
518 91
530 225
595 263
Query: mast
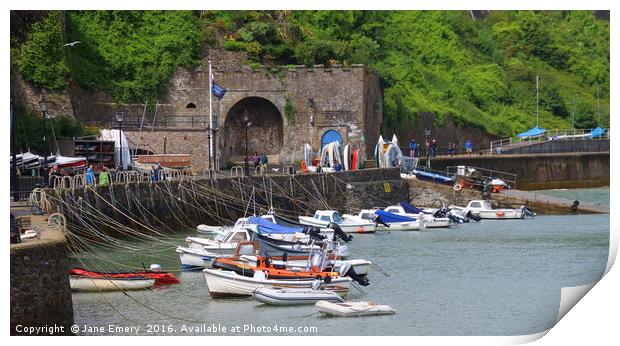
210 115
598 106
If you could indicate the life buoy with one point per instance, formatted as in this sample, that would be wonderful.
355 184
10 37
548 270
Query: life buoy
457 187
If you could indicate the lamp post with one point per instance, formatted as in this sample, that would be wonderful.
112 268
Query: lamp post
427 134
43 109
246 123
120 116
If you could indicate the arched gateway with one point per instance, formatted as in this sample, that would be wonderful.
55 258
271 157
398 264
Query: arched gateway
265 132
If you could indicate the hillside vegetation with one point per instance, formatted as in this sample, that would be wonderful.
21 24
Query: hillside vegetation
482 71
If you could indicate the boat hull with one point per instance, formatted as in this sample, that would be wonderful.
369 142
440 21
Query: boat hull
353 309
226 284
92 284
498 214
293 296
347 228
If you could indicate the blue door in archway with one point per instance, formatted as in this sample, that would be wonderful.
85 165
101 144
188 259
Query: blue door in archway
330 136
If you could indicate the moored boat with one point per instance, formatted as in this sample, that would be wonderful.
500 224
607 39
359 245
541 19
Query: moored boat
228 284
294 296
350 224
353 309
79 283
161 278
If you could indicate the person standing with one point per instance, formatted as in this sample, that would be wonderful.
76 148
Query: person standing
90 175
263 163
54 172
255 160
412 147
468 147
104 177
434 148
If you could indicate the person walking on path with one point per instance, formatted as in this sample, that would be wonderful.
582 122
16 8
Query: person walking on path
104 177
468 147
412 147
90 175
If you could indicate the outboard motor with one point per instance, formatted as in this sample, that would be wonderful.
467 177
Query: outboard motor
338 232
346 269
528 212
474 217
377 220
314 233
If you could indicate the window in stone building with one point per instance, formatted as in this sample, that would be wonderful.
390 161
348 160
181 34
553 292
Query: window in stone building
190 105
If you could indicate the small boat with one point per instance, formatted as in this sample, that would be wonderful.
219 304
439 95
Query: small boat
294 296
213 230
353 309
196 259
161 278
228 284
484 210
397 222
349 224
80 283
428 217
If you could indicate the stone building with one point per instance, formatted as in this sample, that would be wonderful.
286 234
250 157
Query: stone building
286 107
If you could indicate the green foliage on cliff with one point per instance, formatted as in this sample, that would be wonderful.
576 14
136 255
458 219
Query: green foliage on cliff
40 58
482 72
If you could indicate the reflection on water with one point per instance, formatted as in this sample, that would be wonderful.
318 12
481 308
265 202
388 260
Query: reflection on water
488 278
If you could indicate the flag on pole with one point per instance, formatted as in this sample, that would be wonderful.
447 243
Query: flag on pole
217 90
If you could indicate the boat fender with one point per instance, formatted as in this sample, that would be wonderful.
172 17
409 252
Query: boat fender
457 187
155 267
574 206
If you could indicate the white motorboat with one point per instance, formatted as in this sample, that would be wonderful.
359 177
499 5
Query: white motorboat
349 224
194 259
427 218
353 309
410 224
223 283
227 245
100 284
294 296
359 265
484 210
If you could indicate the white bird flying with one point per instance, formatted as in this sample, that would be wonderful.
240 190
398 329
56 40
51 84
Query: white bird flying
72 44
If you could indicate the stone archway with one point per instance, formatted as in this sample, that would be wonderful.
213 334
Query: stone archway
265 134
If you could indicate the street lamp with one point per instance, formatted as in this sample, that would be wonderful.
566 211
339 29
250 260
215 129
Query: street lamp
43 109
247 123
427 134
120 116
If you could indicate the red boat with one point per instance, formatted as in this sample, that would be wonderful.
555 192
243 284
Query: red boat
161 278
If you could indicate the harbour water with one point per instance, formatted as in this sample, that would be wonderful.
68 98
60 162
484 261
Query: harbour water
487 278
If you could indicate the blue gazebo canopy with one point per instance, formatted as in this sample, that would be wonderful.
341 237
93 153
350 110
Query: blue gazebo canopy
533 132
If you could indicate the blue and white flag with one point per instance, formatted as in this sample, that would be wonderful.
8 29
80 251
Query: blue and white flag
217 90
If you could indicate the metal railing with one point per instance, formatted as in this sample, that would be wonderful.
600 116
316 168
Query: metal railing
501 145
482 173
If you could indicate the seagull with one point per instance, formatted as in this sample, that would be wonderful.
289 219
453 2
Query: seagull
72 44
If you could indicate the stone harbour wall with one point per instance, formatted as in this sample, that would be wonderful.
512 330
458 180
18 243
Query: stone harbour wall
178 204
40 292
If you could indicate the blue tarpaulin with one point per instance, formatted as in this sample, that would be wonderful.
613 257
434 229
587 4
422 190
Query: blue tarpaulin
388 217
597 132
409 209
265 226
533 132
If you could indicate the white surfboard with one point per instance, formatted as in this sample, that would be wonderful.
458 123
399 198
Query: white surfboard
346 158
